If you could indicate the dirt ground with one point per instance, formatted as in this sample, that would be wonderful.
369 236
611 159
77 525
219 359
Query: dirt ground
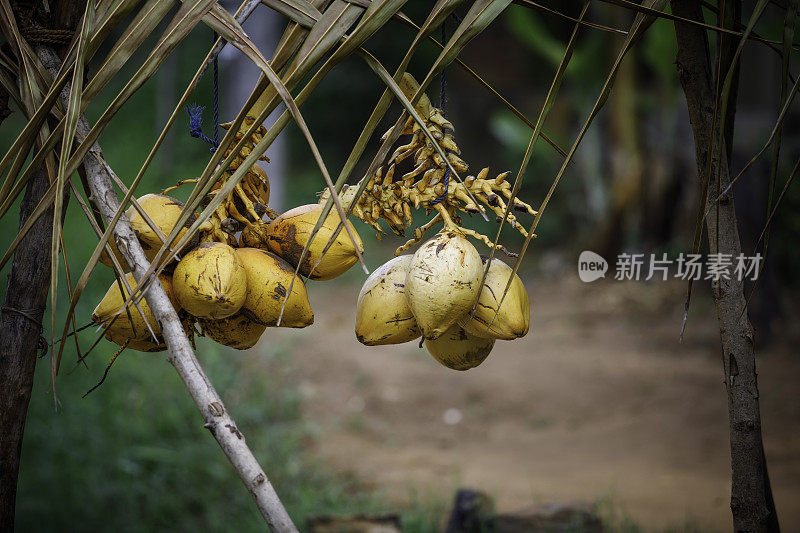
599 401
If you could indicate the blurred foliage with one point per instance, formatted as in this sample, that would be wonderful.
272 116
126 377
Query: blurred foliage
133 456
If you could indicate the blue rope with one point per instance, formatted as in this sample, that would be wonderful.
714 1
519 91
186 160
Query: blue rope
216 96
196 112
443 107
446 183
196 123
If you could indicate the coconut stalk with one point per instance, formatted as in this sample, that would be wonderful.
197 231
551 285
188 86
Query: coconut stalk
751 499
181 355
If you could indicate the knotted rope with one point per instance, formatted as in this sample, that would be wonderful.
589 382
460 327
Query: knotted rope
196 112
34 32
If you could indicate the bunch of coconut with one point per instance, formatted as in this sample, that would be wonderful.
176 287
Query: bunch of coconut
232 293
433 294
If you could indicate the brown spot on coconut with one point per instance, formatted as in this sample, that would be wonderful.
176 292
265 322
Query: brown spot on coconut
288 234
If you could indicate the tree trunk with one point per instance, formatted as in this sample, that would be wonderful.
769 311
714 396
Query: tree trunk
20 334
750 499
24 304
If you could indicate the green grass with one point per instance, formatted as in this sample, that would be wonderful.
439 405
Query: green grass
616 519
133 456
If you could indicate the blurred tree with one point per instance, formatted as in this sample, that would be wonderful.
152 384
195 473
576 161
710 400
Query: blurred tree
751 497
625 153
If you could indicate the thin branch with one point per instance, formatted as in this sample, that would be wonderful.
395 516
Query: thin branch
530 3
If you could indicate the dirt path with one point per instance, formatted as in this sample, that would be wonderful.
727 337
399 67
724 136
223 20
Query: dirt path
598 401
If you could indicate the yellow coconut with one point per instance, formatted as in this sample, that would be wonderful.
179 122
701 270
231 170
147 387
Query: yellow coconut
210 281
459 350
288 234
512 320
147 345
130 324
268 280
237 331
164 212
137 345
383 315
442 282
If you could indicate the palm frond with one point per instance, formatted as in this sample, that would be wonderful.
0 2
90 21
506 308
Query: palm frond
71 125
548 105
640 24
